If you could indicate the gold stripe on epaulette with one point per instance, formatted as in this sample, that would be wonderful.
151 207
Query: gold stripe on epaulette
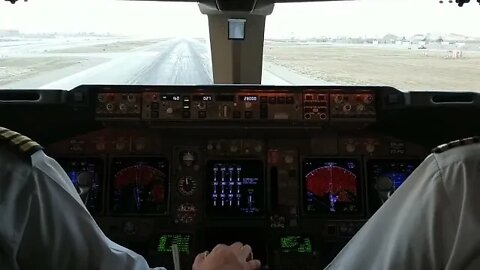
8 134
20 139
2 129
453 144
28 146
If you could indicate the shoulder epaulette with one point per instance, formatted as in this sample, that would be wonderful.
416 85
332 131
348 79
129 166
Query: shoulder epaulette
21 143
444 147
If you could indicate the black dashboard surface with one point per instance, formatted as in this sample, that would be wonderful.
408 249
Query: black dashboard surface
292 171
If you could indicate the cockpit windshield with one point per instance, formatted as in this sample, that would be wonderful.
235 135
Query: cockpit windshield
408 44
62 44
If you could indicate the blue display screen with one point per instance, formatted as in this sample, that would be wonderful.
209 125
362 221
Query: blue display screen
86 175
236 188
399 177
385 177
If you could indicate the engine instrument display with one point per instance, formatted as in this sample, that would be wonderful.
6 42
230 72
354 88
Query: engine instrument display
139 185
182 240
331 186
86 175
236 188
296 244
385 177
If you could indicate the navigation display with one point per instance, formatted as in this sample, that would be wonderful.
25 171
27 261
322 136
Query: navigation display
296 244
331 186
182 240
385 177
139 185
86 175
236 188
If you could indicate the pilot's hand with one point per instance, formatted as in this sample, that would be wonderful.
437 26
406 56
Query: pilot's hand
234 257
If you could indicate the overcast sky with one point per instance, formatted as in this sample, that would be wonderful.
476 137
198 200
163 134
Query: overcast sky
352 18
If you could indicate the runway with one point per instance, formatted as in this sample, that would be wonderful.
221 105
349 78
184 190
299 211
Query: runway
174 62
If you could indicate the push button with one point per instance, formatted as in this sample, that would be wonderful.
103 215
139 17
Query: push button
237 114
186 114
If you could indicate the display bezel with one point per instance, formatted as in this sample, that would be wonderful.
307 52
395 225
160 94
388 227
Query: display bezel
111 180
369 177
103 178
360 186
210 215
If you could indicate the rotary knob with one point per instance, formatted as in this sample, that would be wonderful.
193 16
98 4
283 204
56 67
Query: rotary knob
187 158
202 105
368 99
289 159
338 99
360 108
120 146
350 147
140 144
233 148
347 107
100 146
131 98
209 147
370 147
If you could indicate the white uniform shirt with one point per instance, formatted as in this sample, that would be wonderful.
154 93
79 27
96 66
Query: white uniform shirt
431 222
45 225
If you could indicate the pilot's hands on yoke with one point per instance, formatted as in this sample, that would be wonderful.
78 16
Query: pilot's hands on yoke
234 257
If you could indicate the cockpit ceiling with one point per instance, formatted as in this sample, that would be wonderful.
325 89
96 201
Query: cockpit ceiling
267 1
242 2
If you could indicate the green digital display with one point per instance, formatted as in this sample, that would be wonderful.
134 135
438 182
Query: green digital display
296 244
183 242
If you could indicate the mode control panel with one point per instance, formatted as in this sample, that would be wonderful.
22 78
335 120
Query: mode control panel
308 106
209 106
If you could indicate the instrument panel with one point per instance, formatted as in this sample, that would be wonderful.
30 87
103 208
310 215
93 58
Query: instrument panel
294 172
